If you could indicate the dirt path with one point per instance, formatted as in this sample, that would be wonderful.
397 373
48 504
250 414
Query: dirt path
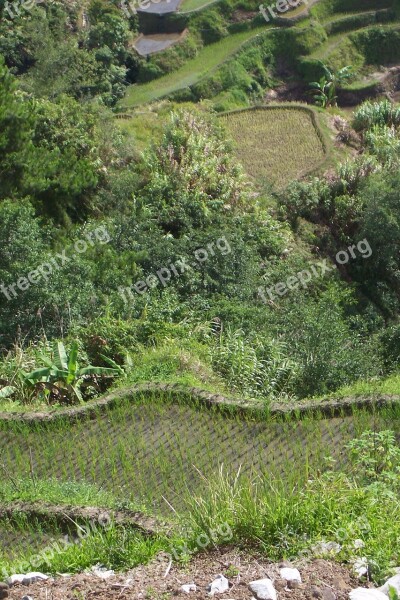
320 579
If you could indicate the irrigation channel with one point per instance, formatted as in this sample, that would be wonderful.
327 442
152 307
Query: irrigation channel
155 450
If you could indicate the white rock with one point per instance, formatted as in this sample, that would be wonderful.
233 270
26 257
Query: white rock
360 566
263 589
366 594
393 582
27 598
189 587
290 574
218 586
102 572
26 579
357 544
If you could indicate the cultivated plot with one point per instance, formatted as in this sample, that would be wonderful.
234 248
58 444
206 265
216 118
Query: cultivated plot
276 144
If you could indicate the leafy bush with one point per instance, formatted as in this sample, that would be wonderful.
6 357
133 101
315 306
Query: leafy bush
376 113
251 366
376 458
191 175
384 143
62 379
328 351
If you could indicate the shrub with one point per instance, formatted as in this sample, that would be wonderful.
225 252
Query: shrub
376 113
191 175
376 458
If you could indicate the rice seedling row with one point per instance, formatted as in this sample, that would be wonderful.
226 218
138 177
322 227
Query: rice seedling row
153 451
276 145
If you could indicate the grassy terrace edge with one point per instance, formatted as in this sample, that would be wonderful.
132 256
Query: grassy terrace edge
63 515
256 409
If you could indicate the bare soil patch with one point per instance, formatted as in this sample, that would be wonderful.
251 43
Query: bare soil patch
320 578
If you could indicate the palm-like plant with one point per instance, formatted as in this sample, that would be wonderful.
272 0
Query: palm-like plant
63 374
324 90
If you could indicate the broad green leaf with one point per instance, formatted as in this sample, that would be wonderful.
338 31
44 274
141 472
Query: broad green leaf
97 371
113 364
72 363
60 356
7 391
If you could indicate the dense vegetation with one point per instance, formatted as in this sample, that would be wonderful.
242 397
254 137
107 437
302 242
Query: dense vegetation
131 253
81 197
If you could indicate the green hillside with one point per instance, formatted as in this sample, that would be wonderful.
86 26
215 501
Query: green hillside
199 299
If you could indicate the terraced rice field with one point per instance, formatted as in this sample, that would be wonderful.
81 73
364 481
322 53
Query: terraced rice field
191 72
153 452
26 537
276 145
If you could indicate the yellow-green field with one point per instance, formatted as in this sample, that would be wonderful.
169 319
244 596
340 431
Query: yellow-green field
276 144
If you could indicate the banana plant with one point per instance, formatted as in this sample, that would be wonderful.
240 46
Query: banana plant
324 90
63 371
7 392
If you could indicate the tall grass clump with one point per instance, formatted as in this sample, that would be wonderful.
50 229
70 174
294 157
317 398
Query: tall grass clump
286 518
376 113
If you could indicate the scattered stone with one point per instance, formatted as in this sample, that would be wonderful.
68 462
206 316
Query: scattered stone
290 574
393 582
293 584
263 589
218 586
26 579
360 567
357 544
189 587
280 585
27 598
367 594
102 572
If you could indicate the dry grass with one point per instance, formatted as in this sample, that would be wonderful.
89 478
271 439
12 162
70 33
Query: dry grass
276 144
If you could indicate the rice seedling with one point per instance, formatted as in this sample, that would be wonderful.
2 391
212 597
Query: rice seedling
276 144
159 455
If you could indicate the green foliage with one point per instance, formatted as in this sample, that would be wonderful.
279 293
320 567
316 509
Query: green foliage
378 44
191 175
380 224
291 523
328 350
61 379
66 157
379 114
390 347
111 31
16 121
211 25
252 366
384 144
375 458
325 89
